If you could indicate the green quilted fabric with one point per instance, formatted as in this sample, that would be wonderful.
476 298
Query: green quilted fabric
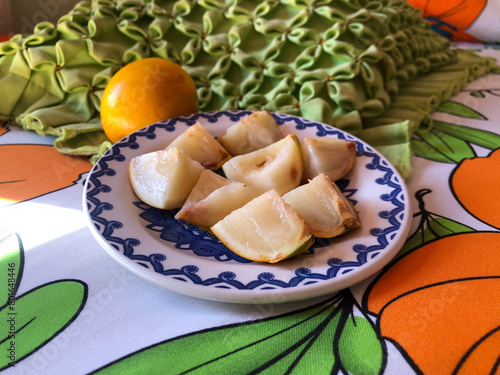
372 68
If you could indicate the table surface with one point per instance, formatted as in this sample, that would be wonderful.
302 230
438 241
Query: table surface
70 308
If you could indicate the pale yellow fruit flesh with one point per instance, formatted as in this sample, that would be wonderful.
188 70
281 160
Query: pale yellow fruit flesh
333 157
206 184
217 205
253 132
201 146
276 167
323 207
164 179
266 229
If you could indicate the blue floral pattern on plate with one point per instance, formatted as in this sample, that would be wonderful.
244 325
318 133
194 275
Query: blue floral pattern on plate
104 198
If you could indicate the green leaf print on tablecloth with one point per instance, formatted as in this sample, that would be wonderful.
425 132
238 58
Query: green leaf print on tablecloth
458 109
438 146
478 137
359 348
299 342
431 226
451 143
38 315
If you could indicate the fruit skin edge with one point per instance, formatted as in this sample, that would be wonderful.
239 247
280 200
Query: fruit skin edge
227 280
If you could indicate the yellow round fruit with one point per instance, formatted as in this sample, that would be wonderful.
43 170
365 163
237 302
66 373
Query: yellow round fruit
144 92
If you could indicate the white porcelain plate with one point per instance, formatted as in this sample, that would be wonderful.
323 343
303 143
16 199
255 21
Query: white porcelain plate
182 258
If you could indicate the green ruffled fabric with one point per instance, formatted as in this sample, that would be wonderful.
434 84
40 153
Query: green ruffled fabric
372 68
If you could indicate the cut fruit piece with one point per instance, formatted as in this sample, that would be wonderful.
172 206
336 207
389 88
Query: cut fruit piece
206 184
212 199
323 207
333 157
201 146
164 179
266 229
278 166
253 132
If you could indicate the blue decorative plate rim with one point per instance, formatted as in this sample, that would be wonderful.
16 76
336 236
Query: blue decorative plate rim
97 206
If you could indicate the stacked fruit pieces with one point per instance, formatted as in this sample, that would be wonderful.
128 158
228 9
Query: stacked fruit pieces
266 200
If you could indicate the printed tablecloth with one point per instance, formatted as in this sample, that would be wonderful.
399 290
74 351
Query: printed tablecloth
68 308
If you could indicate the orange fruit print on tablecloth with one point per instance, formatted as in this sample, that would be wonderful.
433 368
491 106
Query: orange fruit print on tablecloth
37 170
476 185
446 290
459 13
